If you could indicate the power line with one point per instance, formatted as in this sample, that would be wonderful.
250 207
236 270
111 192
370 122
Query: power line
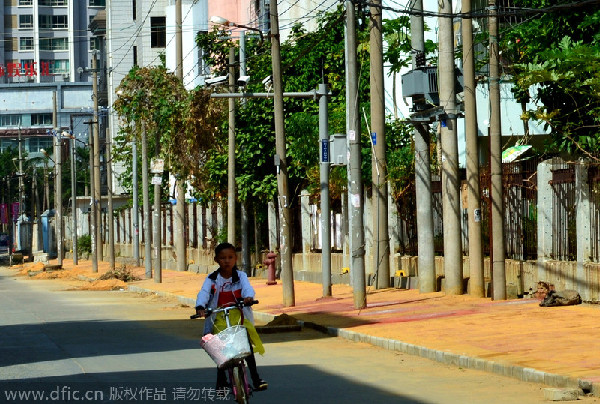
513 11
135 36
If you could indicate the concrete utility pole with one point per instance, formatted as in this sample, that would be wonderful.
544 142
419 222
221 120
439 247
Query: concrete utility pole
355 187
379 171
74 195
287 273
21 187
324 168
97 189
476 281
426 256
147 208
157 221
231 194
109 206
450 178
57 180
93 206
179 222
246 262
135 217
497 259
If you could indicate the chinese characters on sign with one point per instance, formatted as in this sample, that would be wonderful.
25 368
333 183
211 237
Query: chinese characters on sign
24 69
7 209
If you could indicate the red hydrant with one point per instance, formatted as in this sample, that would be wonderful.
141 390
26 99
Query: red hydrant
270 263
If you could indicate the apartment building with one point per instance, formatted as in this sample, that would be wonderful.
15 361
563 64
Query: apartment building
45 51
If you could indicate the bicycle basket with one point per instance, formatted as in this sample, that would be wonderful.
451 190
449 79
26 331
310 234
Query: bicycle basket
230 344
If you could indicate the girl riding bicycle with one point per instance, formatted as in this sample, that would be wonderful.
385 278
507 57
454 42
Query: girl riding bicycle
222 288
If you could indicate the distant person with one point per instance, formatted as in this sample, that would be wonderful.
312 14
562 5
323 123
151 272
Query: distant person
222 288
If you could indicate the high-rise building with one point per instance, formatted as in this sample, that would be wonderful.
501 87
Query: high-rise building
45 49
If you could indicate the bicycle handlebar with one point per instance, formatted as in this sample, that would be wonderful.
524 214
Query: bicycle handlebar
238 305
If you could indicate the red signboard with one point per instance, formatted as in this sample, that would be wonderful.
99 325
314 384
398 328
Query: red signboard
4 213
24 69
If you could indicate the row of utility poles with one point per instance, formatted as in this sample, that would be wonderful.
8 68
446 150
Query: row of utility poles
355 182
450 176
450 173
95 187
453 268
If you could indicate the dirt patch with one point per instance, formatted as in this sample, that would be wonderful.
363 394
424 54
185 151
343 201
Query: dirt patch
106 284
53 275
33 266
123 274
283 319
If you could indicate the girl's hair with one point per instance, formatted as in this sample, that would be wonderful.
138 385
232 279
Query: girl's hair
223 246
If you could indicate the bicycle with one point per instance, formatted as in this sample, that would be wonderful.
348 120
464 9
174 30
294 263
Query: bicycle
229 348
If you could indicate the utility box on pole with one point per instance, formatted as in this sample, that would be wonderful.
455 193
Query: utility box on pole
421 84
338 149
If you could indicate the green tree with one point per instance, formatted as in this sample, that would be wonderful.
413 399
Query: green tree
308 58
556 56
182 121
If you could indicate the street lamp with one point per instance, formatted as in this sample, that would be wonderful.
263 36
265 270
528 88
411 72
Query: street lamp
217 20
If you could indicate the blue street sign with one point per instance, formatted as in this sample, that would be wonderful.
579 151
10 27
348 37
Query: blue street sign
324 150
374 138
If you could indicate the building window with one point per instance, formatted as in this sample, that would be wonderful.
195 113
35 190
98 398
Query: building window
54 44
41 119
158 32
53 2
95 43
26 21
134 10
26 44
59 66
135 57
8 143
53 22
27 67
36 144
11 120
97 3
26 2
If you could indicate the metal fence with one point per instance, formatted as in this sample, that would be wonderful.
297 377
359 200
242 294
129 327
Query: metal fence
520 211
520 198
594 192
564 240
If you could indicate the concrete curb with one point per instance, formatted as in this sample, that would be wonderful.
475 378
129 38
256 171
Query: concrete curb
445 357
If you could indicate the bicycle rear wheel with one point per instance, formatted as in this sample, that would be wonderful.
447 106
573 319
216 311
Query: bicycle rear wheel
238 384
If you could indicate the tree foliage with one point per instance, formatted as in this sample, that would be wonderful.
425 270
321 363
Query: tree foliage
307 58
556 57
185 123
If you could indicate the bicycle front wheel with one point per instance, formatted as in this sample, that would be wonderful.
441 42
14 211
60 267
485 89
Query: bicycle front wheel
238 384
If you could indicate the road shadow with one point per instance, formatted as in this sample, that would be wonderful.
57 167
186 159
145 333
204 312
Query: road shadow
98 337
296 384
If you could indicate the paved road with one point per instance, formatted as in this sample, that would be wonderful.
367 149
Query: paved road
143 349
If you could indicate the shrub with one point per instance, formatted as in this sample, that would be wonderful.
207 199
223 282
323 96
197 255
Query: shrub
84 244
